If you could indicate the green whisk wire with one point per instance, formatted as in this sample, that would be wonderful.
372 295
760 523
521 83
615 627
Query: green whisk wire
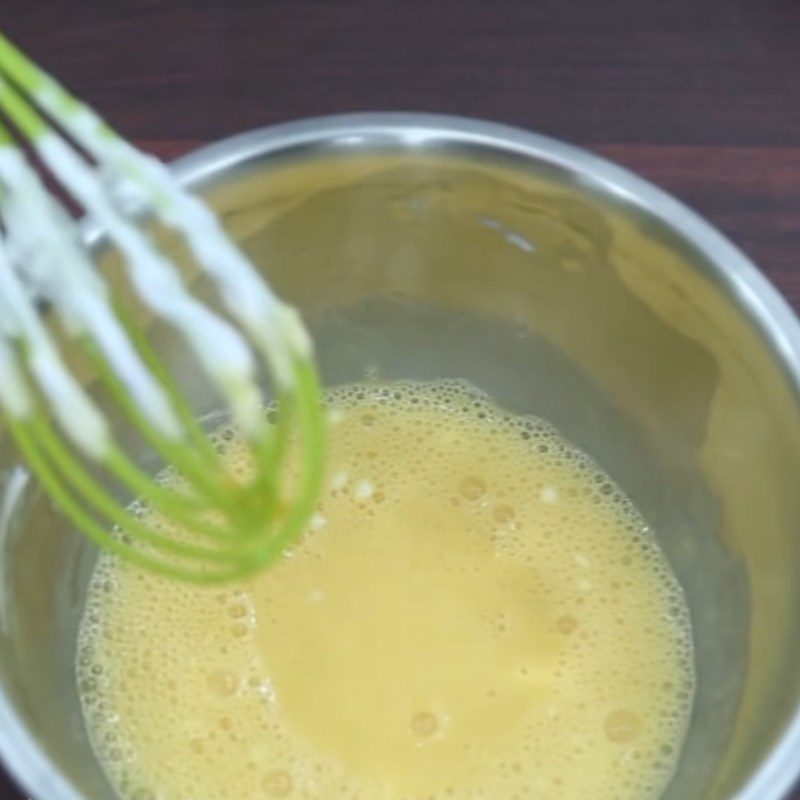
214 528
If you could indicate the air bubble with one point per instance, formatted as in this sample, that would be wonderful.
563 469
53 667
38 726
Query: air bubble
472 488
339 480
277 783
566 624
364 490
424 724
622 726
548 494
504 514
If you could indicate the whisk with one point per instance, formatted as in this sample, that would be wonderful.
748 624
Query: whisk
227 527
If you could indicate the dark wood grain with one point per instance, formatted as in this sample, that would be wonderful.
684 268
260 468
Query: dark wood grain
701 97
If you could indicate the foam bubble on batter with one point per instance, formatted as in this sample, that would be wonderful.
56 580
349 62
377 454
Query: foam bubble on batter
576 640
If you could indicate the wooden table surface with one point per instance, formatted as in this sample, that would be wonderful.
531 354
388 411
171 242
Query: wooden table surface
702 97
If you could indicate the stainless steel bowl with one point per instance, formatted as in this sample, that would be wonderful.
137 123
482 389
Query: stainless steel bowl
424 246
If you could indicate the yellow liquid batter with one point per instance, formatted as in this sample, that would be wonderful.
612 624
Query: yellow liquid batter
475 612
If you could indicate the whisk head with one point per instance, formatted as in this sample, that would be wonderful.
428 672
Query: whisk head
228 527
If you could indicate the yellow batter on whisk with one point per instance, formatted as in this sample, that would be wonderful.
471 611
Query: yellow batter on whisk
476 612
